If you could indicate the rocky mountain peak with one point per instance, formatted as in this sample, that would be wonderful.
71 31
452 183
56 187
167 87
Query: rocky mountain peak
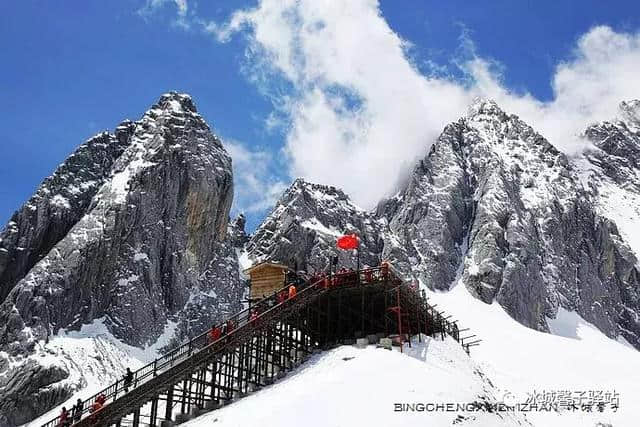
630 111
239 222
132 232
484 108
236 231
612 169
176 102
58 204
500 141
495 207
617 145
302 191
175 117
303 227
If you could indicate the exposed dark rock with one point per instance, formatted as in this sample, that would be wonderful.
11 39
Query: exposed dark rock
237 232
493 205
151 247
61 200
28 390
305 223
133 230
498 207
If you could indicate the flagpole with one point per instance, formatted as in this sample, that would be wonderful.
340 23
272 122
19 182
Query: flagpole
358 262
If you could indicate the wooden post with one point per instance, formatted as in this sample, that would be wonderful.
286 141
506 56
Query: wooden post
362 309
169 407
154 411
399 318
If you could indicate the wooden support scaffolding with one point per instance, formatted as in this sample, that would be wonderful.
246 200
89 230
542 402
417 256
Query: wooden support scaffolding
201 375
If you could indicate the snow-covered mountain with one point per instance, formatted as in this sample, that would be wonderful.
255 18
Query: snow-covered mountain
536 252
303 227
128 248
495 204
131 232
58 204
612 169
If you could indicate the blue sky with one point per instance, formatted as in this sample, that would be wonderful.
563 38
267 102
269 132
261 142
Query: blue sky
72 69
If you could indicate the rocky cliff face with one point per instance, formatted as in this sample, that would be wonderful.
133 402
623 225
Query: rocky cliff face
494 207
144 247
303 227
58 204
611 168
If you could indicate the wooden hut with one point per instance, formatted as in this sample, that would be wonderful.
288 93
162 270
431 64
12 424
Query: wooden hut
266 278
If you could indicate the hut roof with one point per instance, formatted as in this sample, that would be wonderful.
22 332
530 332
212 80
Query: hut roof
264 264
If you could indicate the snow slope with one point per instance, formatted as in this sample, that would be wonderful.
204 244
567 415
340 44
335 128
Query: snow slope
575 357
94 359
623 208
348 386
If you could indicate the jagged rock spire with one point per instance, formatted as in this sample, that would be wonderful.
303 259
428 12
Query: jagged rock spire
131 231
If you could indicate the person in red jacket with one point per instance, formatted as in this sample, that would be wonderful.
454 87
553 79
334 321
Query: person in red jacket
292 292
230 326
282 297
65 419
214 334
384 270
95 407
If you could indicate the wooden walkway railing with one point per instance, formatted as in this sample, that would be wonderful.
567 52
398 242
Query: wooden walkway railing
325 311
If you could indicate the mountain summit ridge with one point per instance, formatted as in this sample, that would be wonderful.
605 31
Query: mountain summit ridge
147 248
132 232
495 206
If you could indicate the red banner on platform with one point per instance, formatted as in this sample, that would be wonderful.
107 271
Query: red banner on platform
350 241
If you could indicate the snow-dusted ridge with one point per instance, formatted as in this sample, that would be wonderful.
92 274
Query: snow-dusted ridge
501 228
495 203
149 253
612 169
94 359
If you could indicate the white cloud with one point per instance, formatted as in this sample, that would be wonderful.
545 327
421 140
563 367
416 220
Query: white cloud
587 88
182 8
257 186
359 112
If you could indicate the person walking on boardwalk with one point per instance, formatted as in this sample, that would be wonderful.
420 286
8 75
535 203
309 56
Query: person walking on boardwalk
128 378
228 326
77 410
96 406
292 291
214 334
65 419
223 331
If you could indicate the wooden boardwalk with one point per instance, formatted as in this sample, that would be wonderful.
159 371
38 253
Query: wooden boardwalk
202 374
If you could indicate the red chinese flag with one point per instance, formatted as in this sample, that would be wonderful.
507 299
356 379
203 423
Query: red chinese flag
350 241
